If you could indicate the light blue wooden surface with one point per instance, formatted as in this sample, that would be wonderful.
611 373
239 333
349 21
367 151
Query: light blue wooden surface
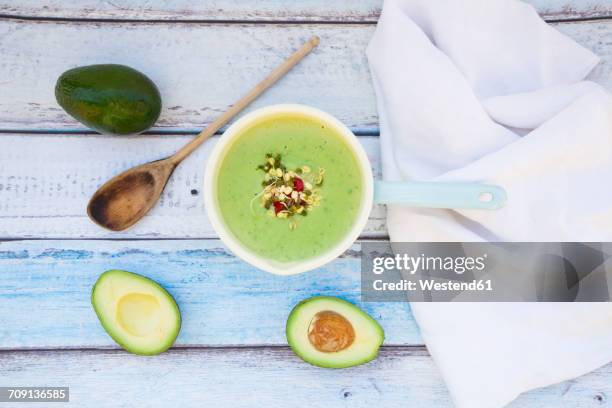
223 300
231 351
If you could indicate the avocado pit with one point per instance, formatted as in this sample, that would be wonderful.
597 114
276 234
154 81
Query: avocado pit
330 332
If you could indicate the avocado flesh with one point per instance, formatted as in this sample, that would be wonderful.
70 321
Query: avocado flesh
136 312
112 99
368 334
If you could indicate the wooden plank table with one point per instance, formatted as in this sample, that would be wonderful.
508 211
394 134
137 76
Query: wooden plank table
231 351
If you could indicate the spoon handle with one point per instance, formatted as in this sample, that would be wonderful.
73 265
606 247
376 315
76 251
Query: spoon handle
440 195
260 88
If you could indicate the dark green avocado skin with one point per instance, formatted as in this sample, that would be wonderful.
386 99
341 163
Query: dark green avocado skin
112 99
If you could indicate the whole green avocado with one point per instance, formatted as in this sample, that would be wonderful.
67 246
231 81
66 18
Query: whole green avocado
112 99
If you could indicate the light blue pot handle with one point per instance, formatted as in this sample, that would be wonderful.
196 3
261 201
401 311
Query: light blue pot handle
440 195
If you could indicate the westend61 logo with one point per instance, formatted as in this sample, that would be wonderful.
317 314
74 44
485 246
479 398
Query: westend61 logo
477 272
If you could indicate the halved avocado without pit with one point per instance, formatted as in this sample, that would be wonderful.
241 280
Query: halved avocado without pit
333 333
140 315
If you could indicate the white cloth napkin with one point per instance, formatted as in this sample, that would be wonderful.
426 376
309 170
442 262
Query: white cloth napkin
484 90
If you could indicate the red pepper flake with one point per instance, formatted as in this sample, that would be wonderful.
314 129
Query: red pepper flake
298 184
278 207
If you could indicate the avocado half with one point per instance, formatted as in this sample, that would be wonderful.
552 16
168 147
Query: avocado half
140 315
333 333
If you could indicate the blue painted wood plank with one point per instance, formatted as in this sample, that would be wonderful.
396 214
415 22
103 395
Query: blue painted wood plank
45 293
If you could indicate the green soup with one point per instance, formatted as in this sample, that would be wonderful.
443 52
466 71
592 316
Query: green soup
300 141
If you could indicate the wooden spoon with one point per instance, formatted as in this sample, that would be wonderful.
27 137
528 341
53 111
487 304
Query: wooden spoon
127 197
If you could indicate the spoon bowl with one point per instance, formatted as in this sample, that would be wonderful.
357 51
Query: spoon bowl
126 198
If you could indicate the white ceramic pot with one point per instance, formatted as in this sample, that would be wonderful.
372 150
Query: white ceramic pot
456 195
212 206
